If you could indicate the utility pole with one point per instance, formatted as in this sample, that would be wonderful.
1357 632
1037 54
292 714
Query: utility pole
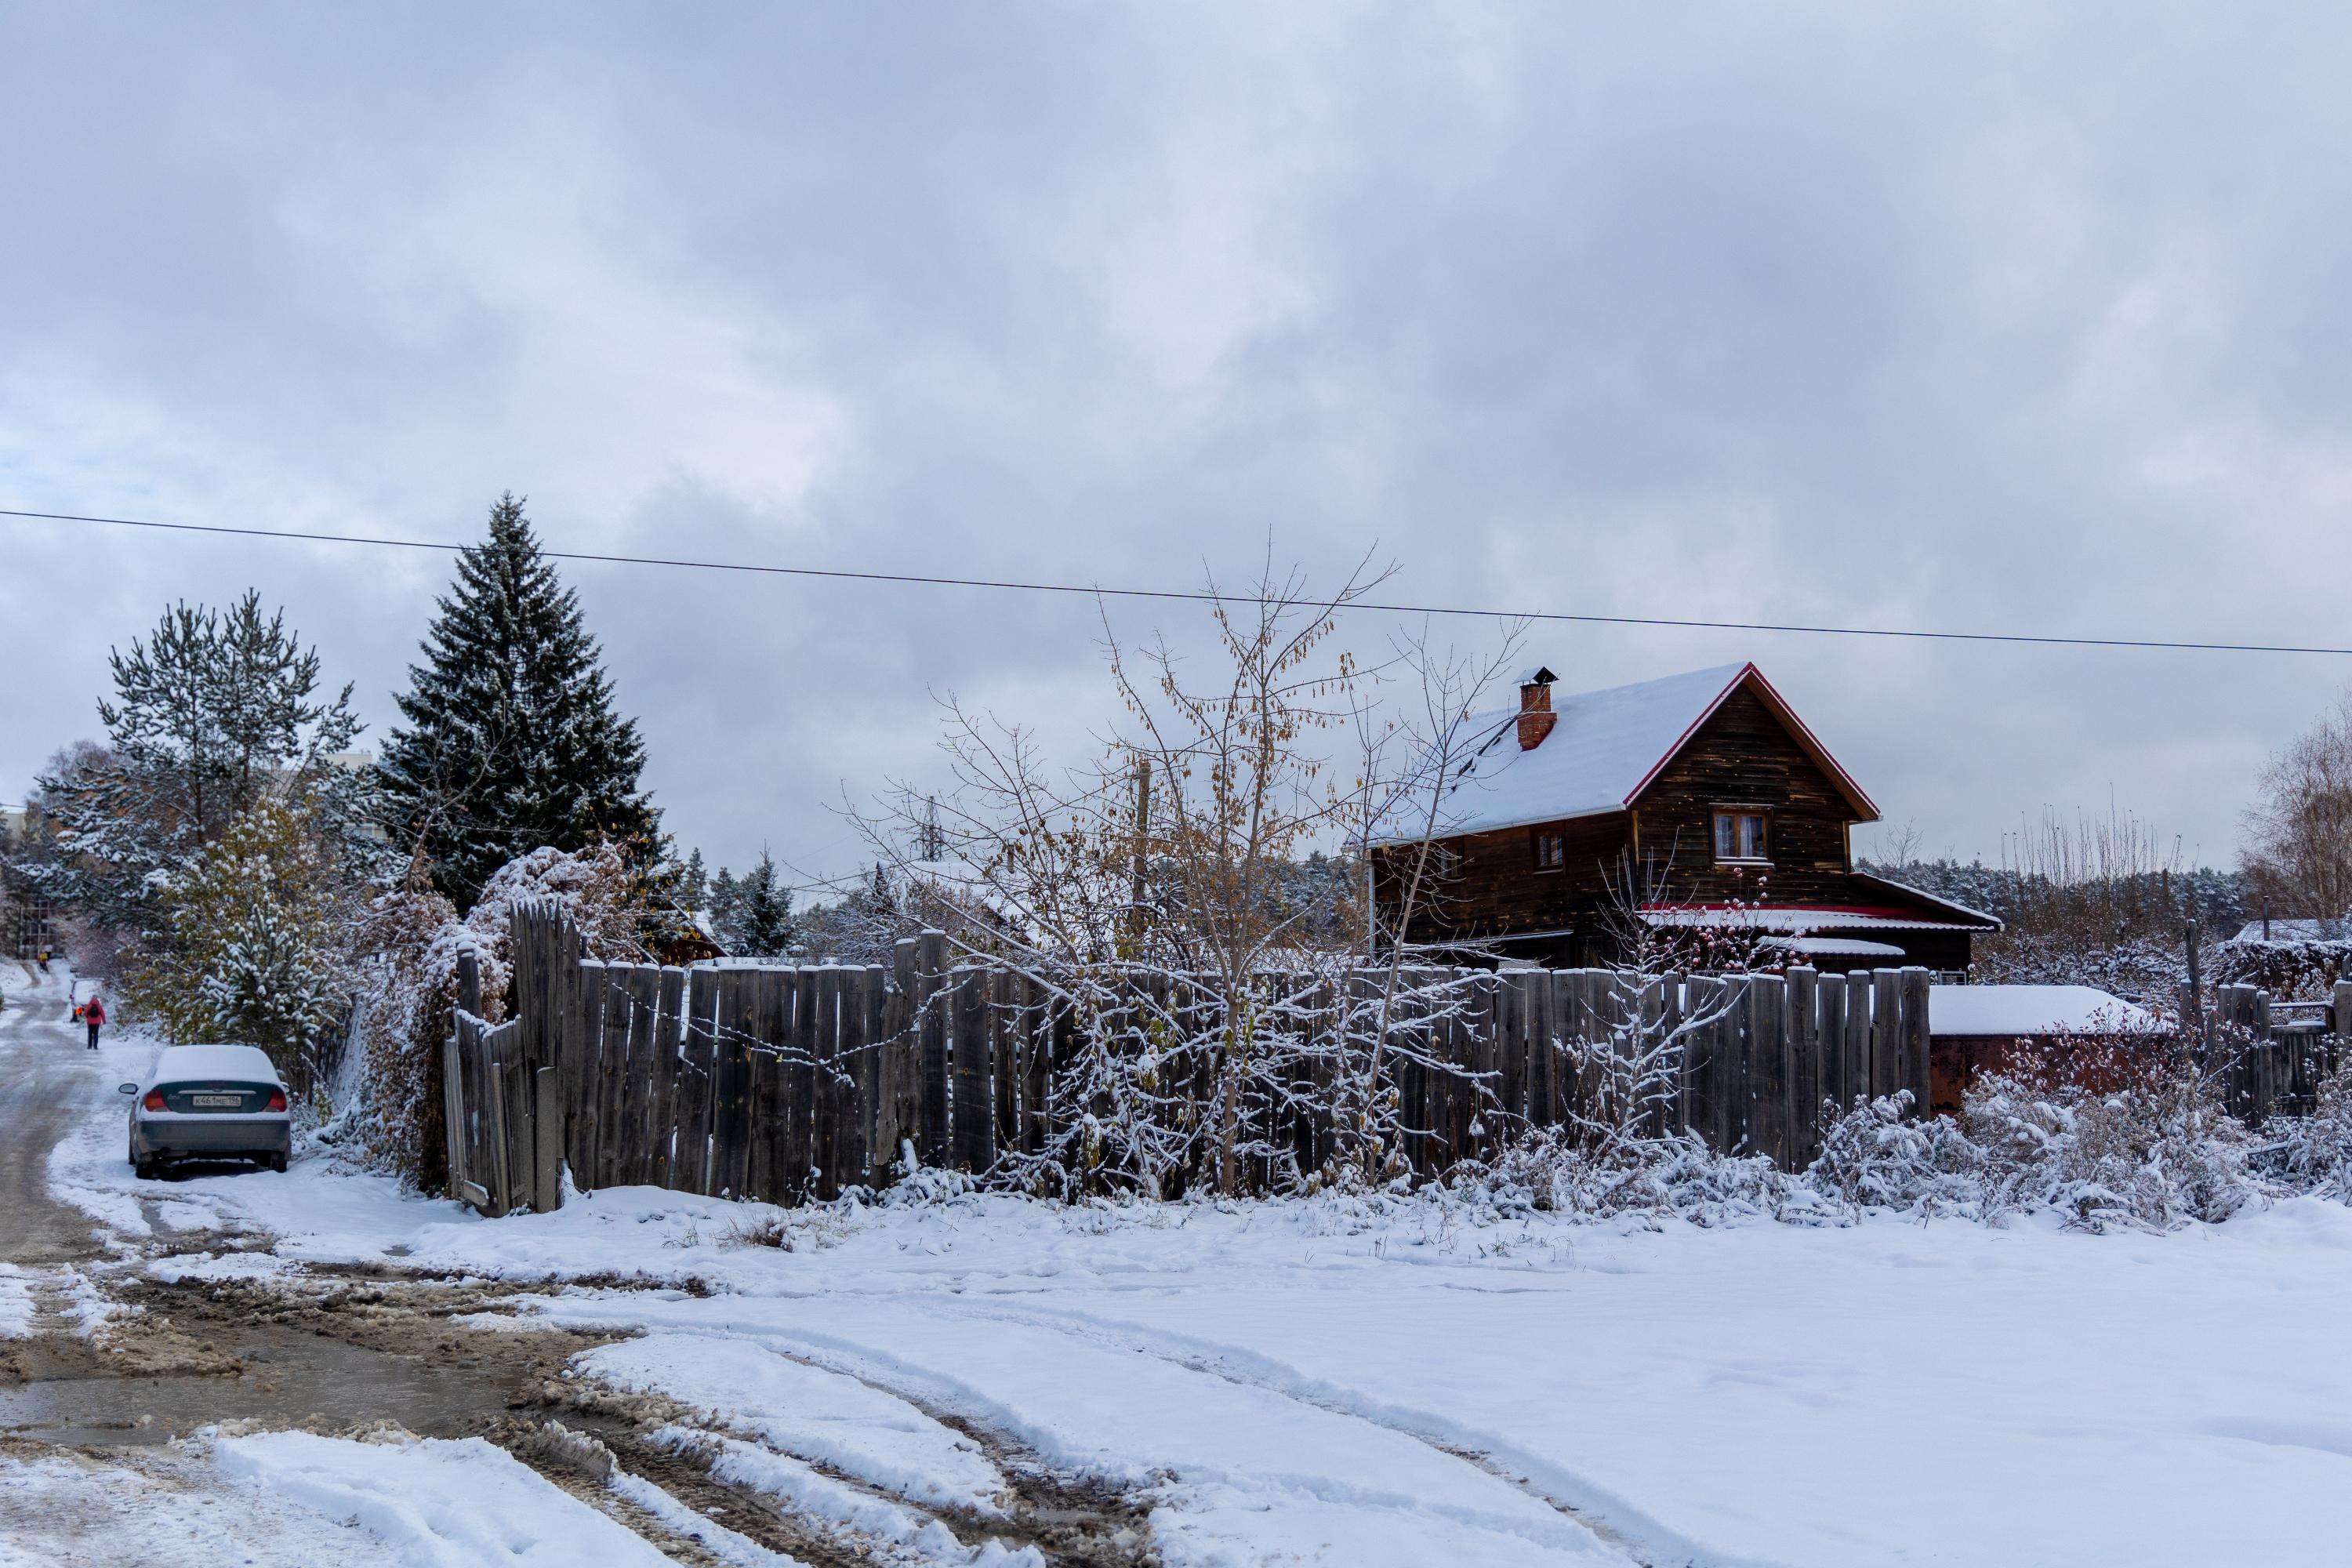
1142 852
2197 995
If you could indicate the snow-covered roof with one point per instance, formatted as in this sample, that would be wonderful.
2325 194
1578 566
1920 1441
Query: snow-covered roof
1787 920
248 1064
1603 749
2295 931
1833 947
2015 1010
1936 900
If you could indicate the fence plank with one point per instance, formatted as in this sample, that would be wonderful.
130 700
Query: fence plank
1829 1025
824 1101
1006 995
803 1076
547 1139
974 1129
931 1030
692 1155
1804 1065
1885 1032
661 1081
892 1058
495 1134
767 1165
453 1113
853 1078
613 1072
1917 1050
1856 1069
1768 1066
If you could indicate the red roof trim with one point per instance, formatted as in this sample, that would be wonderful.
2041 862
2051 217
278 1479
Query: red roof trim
1806 740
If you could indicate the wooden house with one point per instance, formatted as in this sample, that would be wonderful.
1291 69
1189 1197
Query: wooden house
1699 804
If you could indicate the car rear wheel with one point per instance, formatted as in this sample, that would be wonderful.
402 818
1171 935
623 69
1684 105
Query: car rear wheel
278 1162
144 1167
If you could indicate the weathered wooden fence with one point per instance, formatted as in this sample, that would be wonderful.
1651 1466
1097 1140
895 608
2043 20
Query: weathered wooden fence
2269 1057
791 1083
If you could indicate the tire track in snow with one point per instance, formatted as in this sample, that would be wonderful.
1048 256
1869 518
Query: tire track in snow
1610 1516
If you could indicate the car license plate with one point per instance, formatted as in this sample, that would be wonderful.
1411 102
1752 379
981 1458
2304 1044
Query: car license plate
217 1102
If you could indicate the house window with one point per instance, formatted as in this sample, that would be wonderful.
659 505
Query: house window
1552 851
1739 835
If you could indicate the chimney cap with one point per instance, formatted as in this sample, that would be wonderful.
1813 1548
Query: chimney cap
1537 676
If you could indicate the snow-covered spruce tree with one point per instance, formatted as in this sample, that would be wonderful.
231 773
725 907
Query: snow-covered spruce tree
510 741
214 712
763 912
257 928
693 886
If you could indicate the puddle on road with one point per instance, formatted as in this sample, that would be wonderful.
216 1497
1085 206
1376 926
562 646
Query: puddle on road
289 1377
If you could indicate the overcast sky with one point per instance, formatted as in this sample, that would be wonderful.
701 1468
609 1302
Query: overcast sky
2004 317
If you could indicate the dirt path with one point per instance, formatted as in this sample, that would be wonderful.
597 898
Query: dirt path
47 1080
100 1400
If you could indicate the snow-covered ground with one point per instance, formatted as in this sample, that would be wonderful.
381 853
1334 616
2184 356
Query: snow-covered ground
1416 1381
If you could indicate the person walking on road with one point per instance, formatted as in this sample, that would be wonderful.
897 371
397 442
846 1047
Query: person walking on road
93 1013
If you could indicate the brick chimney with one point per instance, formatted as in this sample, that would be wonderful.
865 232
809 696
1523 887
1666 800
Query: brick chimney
1536 716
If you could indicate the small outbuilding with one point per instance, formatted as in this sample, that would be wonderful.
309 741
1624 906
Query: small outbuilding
1975 1028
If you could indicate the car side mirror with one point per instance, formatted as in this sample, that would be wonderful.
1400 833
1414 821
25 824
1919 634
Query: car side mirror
127 1089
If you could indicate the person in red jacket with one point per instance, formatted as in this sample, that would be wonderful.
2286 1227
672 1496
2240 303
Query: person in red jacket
93 1013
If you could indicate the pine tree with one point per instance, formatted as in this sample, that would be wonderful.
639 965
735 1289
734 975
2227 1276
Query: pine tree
764 923
693 884
512 742
725 903
215 712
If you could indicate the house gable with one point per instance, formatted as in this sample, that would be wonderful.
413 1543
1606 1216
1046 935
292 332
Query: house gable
1744 753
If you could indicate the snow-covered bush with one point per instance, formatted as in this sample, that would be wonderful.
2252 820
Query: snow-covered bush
2314 1153
2153 1152
414 940
1669 1174
1877 1156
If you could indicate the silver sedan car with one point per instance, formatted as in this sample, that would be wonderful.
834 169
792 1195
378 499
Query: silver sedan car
209 1102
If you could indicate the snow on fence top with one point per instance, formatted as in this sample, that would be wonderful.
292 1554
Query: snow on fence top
2019 1010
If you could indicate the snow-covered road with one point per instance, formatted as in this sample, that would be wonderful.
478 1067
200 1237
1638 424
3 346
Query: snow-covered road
1420 1381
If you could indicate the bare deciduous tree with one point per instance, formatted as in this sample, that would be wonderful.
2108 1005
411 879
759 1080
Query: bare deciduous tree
2298 844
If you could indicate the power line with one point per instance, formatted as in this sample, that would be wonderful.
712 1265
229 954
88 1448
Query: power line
1202 596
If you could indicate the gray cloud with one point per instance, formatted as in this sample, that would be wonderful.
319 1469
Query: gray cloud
1984 317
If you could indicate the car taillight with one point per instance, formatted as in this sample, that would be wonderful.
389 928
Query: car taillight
154 1101
276 1100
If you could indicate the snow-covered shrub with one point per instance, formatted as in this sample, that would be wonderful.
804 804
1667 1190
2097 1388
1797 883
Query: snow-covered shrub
414 940
1673 1174
1877 1156
2155 1151
2314 1153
